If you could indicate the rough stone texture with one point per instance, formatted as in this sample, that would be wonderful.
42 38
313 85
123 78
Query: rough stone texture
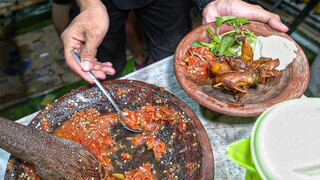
53 157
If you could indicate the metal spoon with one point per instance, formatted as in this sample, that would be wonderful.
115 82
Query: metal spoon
105 92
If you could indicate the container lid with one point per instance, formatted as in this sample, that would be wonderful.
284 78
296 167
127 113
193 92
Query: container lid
285 140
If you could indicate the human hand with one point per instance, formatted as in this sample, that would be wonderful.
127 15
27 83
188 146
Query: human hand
240 8
85 35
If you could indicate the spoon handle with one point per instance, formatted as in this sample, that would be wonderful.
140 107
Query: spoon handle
97 82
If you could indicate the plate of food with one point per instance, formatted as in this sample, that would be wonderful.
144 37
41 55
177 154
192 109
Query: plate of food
239 67
173 144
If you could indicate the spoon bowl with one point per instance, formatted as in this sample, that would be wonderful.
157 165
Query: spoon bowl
105 92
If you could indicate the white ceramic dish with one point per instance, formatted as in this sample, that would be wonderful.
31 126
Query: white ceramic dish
285 140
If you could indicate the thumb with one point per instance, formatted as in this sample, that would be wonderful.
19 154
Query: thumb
88 54
266 17
210 13
278 25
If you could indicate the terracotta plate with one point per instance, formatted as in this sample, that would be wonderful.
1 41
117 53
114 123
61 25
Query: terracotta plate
291 84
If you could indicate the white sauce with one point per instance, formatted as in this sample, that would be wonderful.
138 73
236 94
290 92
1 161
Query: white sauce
275 47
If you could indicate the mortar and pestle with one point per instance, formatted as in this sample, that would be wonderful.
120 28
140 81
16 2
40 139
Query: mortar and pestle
52 156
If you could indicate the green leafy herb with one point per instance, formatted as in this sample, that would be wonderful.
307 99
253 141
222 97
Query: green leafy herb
226 44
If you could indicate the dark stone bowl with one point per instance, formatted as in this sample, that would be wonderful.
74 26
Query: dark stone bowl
194 146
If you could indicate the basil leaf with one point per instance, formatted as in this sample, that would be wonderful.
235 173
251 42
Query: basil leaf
251 39
230 53
222 19
210 45
196 44
217 39
249 33
226 44
240 21
210 32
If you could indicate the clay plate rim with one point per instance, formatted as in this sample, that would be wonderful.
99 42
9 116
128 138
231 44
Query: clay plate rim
295 88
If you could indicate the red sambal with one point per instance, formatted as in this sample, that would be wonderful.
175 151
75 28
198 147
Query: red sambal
93 130
119 152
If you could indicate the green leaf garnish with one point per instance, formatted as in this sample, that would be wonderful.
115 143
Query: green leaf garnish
196 44
222 19
210 32
225 44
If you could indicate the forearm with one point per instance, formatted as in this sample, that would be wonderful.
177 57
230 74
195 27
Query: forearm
60 16
85 3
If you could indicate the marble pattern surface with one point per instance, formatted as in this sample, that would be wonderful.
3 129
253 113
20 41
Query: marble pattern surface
222 129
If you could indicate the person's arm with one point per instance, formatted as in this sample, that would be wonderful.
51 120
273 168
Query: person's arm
199 5
60 16
240 8
84 34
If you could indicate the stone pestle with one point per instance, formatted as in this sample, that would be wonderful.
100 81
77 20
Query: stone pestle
53 157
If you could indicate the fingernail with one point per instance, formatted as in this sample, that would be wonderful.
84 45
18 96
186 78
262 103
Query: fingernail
283 25
86 65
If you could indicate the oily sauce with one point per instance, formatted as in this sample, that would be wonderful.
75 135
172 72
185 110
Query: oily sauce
167 148
114 149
